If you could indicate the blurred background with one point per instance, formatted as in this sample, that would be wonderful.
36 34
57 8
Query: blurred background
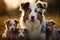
9 9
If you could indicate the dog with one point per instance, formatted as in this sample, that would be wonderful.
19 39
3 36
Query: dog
50 30
10 25
23 34
33 18
50 24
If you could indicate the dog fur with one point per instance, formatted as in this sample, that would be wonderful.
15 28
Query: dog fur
9 32
50 30
23 34
33 18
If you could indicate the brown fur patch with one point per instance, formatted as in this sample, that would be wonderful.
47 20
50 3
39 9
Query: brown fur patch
25 6
39 17
40 5
25 16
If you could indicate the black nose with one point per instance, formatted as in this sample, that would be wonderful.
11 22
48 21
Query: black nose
12 29
32 17
20 36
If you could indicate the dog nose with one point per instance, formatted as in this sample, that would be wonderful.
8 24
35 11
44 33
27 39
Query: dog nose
32 17
20 36
12 29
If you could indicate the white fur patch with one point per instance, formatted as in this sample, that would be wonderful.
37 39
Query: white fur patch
21 33
33 6
12 22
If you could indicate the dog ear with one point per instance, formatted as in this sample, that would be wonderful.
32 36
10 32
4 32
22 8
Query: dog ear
7 21
16 21
53 23
42 5
25 6
25 30
39 5
16 30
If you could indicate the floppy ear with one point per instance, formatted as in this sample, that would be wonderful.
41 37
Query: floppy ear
26 31
16 21
7 21
42 5
53 22
25 6
39 5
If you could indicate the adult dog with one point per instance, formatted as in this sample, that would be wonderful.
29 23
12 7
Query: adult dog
33 18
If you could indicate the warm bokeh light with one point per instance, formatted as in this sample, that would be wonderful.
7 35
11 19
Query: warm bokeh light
29 0
13 4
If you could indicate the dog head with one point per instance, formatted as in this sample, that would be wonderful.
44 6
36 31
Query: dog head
50 24
33 11
22 33
11 24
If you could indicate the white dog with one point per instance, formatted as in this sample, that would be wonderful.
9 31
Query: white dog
33 18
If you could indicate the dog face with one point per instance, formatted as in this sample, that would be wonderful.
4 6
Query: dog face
11 24
50 24
33 11
22 33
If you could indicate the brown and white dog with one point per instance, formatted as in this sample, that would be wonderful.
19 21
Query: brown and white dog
10 25
33 18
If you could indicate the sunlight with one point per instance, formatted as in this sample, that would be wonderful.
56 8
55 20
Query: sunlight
28 0
12 4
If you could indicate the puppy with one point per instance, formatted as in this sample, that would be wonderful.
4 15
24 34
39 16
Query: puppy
33 18
22 34
50 24
11 26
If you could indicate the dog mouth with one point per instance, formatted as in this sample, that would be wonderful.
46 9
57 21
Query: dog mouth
32 20
13 29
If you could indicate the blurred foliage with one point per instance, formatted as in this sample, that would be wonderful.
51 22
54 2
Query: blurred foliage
55 6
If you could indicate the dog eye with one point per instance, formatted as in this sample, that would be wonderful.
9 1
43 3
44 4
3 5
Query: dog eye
9 24
23 32
40 12
18 32
29 10
14 24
